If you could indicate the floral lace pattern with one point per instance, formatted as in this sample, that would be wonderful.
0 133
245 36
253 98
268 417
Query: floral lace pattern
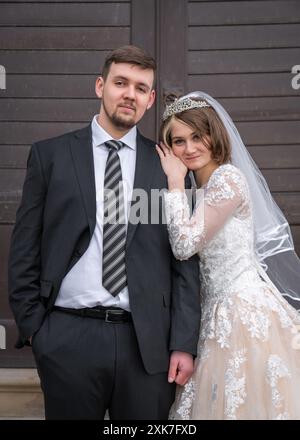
235 387
276 369
239 308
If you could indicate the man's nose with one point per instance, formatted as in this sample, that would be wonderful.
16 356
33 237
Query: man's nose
130 92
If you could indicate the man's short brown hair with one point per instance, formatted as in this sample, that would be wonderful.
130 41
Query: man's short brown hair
129 54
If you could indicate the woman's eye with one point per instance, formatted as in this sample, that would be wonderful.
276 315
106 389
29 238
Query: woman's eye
178 142
196 137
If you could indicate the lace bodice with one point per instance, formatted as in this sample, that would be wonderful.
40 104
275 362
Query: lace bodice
220 230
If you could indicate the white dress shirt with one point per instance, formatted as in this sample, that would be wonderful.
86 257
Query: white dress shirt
82 286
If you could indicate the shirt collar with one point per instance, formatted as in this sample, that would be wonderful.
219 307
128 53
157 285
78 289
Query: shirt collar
100 135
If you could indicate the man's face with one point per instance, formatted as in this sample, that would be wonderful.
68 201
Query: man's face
126 94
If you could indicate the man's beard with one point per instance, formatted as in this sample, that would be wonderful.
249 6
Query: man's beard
118 121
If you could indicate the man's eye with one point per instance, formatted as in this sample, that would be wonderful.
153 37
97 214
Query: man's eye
142 90
119 83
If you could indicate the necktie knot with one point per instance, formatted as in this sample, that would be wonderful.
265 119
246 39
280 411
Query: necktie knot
114 145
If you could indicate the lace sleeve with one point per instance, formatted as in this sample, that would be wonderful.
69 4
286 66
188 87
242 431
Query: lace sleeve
224 196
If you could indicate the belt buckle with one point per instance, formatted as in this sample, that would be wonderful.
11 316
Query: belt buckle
116 312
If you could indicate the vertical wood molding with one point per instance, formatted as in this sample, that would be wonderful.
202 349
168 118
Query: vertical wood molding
173 28
144 34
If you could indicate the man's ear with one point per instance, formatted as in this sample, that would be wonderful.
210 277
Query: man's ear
151 99
99 86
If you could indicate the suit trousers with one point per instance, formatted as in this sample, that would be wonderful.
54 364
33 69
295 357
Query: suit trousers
88 366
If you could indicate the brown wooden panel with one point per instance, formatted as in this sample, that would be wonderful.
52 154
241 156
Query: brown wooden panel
13 156
289 203
242 61
12 357
240 109
276 156
243 37
5 233
270 133
73 110
49 86
143 33
283 179
76 14
255 109
67 62
296 237
242 84
244 12
61 39
15 133
11 184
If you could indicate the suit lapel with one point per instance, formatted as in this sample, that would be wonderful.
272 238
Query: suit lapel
144 170
82 153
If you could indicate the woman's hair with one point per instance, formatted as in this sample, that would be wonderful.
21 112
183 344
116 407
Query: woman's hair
208 125
129 54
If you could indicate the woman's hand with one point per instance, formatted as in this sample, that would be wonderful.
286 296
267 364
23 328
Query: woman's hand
173 167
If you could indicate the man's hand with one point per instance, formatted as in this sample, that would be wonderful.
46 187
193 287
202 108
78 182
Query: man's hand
181 367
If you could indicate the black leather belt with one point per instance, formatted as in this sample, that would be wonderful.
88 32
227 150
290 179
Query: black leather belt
106 313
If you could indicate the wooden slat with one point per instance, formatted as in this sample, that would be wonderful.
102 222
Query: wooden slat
240 109
276 156
76 14
49 86
269 133
242 61
64 39
5 233
289 203
255 109
283 179
13 156
243 37
296 237
242 84
243 12
73 110
49 62
15 133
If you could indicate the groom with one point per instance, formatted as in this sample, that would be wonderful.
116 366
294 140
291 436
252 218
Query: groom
112 317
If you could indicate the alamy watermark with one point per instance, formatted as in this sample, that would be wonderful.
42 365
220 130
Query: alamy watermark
2 78
2 337
296 78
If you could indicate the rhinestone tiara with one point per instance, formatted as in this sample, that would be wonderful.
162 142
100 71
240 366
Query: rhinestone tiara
180 105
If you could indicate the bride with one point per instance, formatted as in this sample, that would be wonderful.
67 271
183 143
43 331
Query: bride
248 364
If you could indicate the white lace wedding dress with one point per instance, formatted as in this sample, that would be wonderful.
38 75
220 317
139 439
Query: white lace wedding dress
248 364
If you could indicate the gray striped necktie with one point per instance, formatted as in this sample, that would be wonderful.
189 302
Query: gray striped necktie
114 225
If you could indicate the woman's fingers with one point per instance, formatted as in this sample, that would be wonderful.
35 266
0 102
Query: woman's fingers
165 149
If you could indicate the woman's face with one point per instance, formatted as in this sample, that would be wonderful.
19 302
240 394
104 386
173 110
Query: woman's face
188 146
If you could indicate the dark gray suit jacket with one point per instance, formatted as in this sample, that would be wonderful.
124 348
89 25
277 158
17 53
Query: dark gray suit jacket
54 226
